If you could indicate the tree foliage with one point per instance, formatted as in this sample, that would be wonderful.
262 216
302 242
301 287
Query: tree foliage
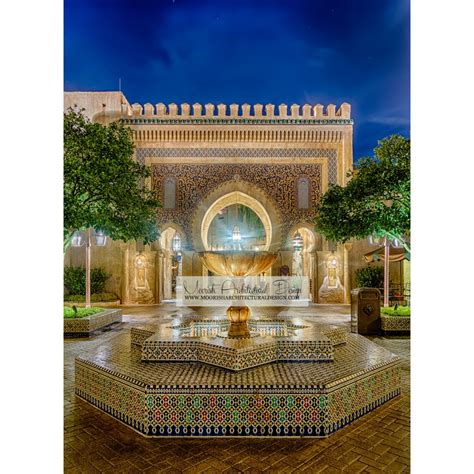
75 280
376 199
369 277
103 185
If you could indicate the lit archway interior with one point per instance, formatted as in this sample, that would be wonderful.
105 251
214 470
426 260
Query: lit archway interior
309 239
170 267
303 260
230 203
166 238
236 220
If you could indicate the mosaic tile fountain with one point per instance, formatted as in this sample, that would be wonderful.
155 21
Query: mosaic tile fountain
285 377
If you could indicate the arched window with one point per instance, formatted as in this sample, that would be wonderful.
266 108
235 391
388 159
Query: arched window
169 194
303 193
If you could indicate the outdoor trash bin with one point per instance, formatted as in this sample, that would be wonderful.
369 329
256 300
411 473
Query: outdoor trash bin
365 311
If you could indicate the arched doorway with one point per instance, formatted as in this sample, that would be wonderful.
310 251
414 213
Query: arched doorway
241 192
237 227
303 258
171 263
237 209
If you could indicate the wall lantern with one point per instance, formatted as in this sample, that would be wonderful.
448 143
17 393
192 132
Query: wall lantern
236 234
100 238
76 240
374 240
297 242
396 244
176 243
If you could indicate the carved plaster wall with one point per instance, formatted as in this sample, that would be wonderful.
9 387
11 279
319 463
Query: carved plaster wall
278 181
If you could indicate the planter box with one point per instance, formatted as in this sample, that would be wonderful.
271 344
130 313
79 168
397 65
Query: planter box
89 324
395 323
102 304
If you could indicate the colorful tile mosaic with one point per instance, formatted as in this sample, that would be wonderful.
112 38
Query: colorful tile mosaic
279 399
85 326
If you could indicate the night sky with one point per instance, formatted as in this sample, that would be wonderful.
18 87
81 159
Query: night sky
279 51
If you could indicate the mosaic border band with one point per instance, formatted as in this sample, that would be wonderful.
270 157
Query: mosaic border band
262 413
223 152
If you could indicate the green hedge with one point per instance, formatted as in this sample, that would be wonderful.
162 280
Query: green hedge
396 311
95 298
369 277
74 313
75 280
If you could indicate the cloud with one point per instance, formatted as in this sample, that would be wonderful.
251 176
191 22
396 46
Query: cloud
318 57
395 117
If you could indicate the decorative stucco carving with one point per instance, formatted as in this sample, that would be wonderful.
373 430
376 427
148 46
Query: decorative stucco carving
195 181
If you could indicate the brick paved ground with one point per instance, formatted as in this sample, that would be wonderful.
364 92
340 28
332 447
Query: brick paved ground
94 442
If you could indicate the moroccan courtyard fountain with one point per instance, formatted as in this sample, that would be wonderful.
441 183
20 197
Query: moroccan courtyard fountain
238 376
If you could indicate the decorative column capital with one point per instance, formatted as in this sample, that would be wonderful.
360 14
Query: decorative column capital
348 246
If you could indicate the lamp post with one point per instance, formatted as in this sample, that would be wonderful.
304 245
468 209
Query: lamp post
100 241
386 271
386 265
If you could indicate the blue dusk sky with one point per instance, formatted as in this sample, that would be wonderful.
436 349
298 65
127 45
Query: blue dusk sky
261 51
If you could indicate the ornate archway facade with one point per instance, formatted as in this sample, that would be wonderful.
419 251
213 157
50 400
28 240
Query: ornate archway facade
277 160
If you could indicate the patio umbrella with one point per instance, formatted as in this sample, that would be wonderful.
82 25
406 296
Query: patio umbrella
396 255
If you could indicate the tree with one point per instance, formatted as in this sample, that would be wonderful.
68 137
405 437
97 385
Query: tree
103 185
376 200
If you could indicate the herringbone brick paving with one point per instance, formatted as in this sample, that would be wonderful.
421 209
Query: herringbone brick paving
95 442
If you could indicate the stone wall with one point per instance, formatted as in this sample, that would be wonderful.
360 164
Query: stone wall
100 107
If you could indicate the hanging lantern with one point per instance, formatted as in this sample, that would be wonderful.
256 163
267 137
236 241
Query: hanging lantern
374 240
396 244
100 238
176 243
236 234
297 242
76 240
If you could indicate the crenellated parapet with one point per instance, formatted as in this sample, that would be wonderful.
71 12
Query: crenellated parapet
240 111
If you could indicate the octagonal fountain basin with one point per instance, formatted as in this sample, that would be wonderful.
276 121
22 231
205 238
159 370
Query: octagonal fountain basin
276 387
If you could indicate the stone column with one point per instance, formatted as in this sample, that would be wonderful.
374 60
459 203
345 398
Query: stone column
347 279
314 261
162 275
167 293
125 274
158 277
